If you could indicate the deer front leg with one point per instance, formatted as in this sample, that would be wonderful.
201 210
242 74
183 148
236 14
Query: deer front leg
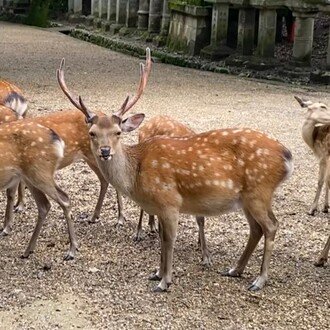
20 205
169 229
10 192
320 182
121 218
206 255
103 189
324 254
138 234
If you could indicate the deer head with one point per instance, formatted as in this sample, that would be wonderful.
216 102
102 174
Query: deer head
316 111
105 132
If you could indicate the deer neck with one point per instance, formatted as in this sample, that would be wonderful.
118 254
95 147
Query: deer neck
121 170
307 132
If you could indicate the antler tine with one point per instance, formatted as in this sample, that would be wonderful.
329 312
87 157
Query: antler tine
76 101
144 74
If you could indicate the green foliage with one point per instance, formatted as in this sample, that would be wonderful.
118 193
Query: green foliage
38 13
189 2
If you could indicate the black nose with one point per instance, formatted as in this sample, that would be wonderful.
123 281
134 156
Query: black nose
105 152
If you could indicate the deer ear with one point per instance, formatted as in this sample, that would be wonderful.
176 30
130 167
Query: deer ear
303 103
131 123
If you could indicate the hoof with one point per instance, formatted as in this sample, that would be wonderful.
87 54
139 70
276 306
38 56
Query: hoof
254 288
94 220
3 233
325 210
230 273
154 277
157 289
26 255
69 256
311 212
320 263
19 208
207 262
138 238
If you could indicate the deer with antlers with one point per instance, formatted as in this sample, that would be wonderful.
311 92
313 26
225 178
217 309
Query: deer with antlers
167 126
316 134
31 152
205 174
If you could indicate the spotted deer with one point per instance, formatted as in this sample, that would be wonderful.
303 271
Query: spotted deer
167 126
70 125
31 152
12 97
316 134
205 174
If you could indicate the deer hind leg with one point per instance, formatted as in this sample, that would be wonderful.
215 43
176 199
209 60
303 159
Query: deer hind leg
324 254
269 224
20 205
138 235
7 226
103 190
43 206
206 255
322 168
327 185
254 238
168 232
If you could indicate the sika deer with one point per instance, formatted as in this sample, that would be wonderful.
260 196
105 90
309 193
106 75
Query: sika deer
71 126
316 134
32 152
318 139
167 126
12 97
206 174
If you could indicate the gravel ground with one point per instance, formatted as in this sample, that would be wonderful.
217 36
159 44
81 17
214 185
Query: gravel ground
106 285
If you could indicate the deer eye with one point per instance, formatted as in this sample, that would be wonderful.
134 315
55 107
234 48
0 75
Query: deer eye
118 133
92 134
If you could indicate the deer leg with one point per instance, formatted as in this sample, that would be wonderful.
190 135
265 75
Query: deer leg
43 206
157 276
326 200
168 236
103 190
324 254
206 255
138 235
121 218
20 205
269 225
152 223
320 182
254 238
7 227
63 200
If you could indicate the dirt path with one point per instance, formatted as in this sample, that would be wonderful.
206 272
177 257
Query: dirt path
106 285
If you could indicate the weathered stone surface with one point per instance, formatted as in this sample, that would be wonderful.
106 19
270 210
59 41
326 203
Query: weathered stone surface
266 32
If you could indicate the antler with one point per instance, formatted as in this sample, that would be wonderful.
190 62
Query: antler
144 74
76 101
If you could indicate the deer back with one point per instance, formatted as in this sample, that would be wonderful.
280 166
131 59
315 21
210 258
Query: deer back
7 115
208 173
28 150
165 126
12 97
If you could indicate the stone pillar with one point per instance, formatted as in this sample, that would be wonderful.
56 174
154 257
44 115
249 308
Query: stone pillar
218 48
143 15
303 39
95 7
103 8
132 7
328 54
166 16
246 29
121 12
77 6
266 32
70 5
111 10
155 14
